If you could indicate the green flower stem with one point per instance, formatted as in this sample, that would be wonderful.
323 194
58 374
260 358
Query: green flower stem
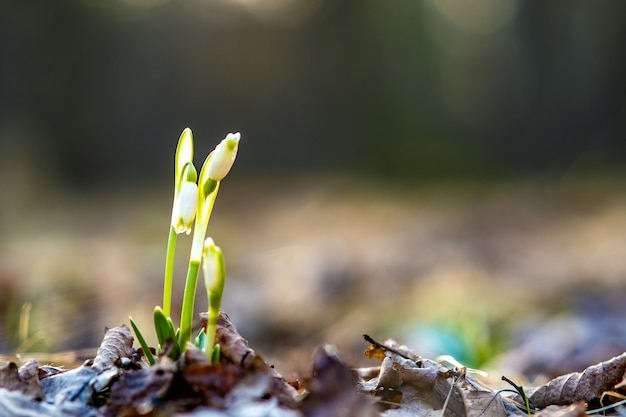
214 279
202 221
186 317
211 326
214 294
169 271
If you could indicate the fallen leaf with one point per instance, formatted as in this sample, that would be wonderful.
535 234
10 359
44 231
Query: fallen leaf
332 390
479 401
24 380
68 393
374 351
574 410
580 386
198 380
232 345
116 344
139 392
425 385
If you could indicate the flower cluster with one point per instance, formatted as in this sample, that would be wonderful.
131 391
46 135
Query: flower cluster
194 197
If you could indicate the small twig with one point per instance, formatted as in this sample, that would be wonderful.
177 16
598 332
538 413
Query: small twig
445 404
387 348
520 391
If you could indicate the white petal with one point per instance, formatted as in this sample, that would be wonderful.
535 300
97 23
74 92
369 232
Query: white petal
186 205
224 157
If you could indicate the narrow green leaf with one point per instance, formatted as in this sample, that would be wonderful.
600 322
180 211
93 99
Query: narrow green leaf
186 315
200 340
215 356
162 327
142 342
175 348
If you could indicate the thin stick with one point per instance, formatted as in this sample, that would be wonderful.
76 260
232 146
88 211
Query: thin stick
387 348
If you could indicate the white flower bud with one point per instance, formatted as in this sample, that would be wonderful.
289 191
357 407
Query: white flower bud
185 207
224 157
212 265
184 150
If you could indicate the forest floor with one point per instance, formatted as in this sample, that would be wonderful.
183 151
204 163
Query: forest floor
524 280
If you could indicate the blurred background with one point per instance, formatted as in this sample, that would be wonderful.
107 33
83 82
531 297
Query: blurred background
446 173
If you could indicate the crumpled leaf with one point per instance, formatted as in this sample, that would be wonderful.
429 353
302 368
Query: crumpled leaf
69 393
24 380
117 344
580 386
244 399
200 380
421 387
479 400
332 389
78 384
574 410
15 404
233 346
423 384
139 392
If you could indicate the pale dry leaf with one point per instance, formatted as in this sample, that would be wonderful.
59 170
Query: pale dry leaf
24 380
232 345
479 401
117 344
580 386
574 410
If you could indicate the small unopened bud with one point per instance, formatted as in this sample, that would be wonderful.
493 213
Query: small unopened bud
184 150
213 267
224 156
185 207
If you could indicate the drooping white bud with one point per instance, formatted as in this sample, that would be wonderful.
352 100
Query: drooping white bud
223 157
185 207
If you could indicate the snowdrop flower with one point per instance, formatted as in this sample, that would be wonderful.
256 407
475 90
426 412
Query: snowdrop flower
185 207
182 218
214 169
224 157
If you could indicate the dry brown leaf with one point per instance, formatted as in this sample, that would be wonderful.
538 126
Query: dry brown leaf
233 346
479 401
580 386
574 410
374 351
331 389
117 343
78 384
69 393
198 380
425 385
138 392
24 379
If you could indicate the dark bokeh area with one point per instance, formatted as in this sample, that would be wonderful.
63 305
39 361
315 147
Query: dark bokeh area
447 173
95 90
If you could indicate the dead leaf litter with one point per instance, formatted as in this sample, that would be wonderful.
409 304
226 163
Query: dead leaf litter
118 382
